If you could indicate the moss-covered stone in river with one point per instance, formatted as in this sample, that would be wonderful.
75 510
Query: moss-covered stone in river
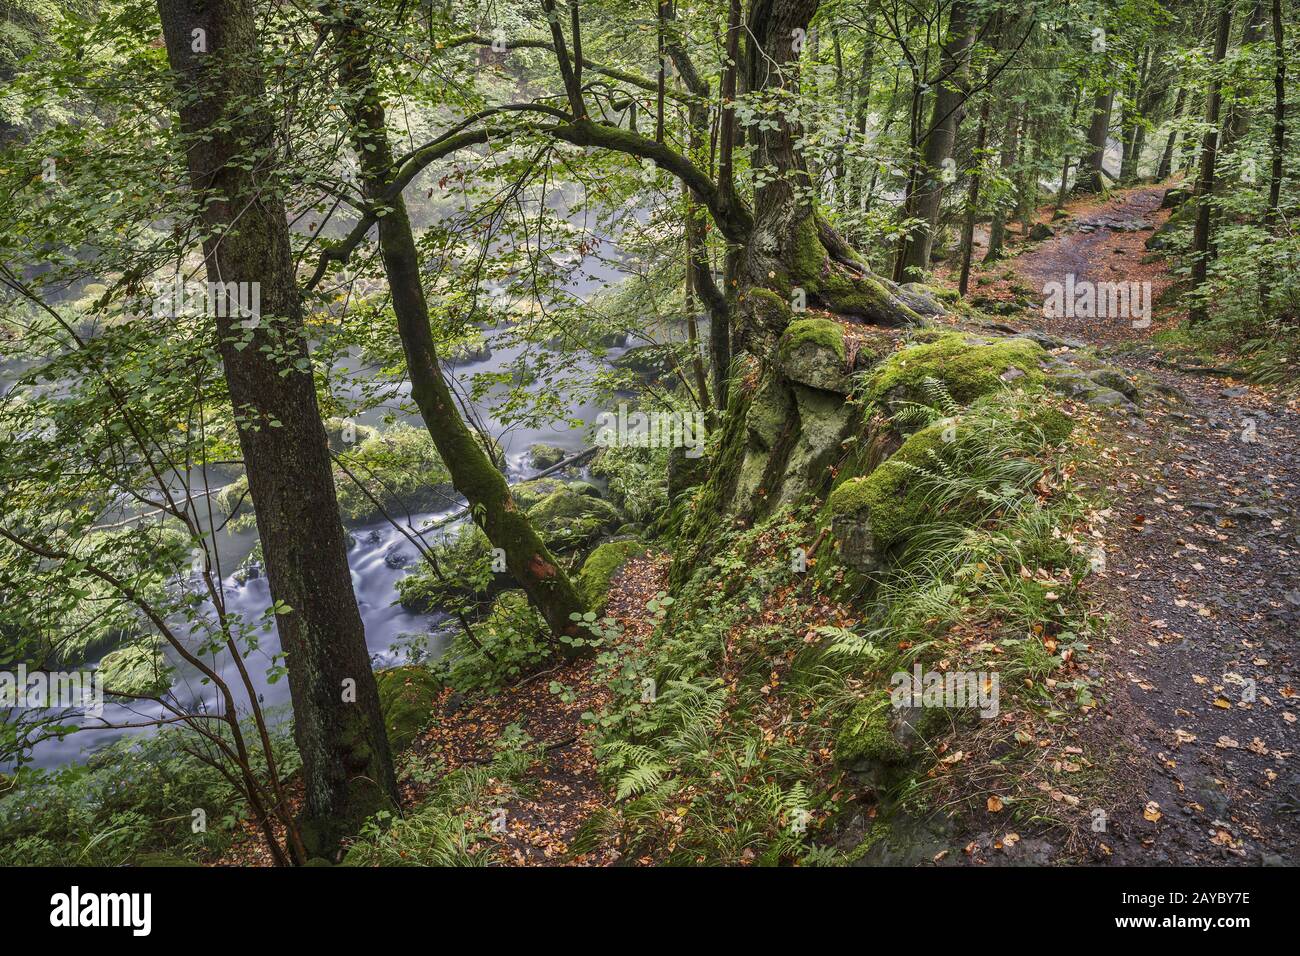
138 670
541 455
406 697
401 469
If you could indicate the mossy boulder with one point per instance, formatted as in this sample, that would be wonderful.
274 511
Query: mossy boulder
406 698
400 468
601 566
137 670
968 369
922 299
649 363
529 493
891 500
465 559
812 353
866 740
344 434
542 455
568 520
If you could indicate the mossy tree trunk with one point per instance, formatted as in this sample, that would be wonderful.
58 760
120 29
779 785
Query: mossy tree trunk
473 474
925 201
212 46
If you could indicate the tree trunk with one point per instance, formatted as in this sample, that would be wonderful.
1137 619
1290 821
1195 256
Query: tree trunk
1205 181
926 201
863 105
1090 171
973 198
1237 120
347 766
1166 167
1010 152
473 474
1279 118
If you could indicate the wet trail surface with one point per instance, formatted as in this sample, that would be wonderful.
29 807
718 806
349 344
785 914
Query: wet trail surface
1201 574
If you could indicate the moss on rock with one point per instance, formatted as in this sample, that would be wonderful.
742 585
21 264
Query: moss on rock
568 520
967 369
136 670
601 566
865 738
889 498
406 697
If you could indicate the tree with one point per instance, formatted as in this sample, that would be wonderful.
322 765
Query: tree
347 767
926 190
474 475
1200 251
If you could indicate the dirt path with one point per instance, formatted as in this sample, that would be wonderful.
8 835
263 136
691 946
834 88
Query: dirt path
1201 576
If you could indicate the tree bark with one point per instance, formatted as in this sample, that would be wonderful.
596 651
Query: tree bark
473 474
1091 170
1205 181
972 199
1273 212
347 766
926 201
1010 153
1166 167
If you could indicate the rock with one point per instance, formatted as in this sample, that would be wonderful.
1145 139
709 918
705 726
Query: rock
1174 197
856 546
922 299
397 559
1113 378
1109 398
1236 391
465 353
344 434
401 469
1049 341
600 567
542 456
1041 231
1249 513
812 353
406 697
137 669
649 363
685 472
969 369
528 493
569 521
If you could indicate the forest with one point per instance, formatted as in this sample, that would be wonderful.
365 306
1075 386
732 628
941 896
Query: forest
722 433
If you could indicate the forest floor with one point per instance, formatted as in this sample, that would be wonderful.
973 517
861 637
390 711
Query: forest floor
1195 730
1201 575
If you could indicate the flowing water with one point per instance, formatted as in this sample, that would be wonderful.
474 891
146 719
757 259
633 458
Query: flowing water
373 558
